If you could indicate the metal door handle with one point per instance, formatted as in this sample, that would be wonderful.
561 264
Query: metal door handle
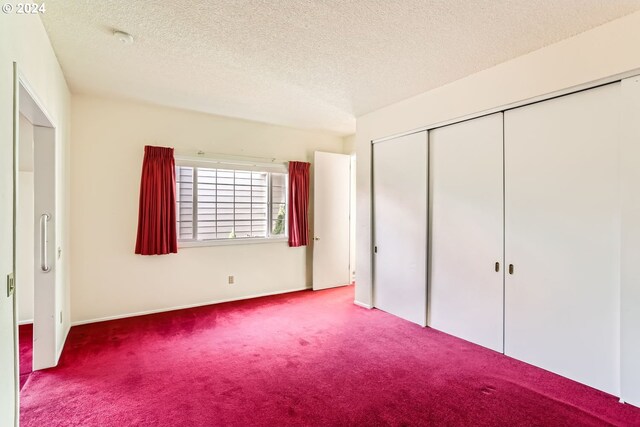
497 267
44 242
510 268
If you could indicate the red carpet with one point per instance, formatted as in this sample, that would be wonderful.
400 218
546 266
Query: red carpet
25 341
306 358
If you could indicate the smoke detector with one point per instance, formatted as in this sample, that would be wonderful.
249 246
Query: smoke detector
125 38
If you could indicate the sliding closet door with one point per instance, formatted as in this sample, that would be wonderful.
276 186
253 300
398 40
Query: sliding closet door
466 269
400 226
562 236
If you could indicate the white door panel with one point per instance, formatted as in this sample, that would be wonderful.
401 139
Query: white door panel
331 178
400 226
46 318
466 234
562 236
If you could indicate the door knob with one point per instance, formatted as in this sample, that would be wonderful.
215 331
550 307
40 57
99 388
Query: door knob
510 268
497 267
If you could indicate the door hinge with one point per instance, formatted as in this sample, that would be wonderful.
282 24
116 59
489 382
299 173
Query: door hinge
11 284
375 249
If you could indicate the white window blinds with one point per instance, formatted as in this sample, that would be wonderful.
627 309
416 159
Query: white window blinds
224 204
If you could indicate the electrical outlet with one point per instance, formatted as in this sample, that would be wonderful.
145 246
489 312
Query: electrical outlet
231 280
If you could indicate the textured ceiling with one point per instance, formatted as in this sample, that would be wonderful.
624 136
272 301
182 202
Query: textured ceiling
302 63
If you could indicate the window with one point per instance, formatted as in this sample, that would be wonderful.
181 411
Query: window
222 203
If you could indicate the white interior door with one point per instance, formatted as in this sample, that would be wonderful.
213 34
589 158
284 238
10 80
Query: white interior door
562 236
466 281
46 321
331 206
400 226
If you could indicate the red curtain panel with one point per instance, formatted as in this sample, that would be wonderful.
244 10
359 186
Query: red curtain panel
298 203
157 234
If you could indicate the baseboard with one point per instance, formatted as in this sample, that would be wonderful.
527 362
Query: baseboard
331 287
25 322
363 305
182 307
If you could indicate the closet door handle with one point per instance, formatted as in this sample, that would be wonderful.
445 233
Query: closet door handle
510 268
497 267
44 242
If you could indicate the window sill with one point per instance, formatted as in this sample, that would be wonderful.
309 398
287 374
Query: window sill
229 242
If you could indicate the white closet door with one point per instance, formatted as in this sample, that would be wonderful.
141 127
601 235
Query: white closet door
400 226
562 236
466 189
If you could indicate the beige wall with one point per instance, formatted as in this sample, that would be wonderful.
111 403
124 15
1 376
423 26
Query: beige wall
350 144
601 52
108 139
25 248
25 144
350 148
24 223
24 40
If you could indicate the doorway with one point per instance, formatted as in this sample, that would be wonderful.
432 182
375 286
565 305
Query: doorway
35 234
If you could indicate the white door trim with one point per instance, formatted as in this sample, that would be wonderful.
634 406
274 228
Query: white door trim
30 105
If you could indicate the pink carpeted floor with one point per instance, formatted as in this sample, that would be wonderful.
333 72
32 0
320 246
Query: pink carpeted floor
25 348
306 358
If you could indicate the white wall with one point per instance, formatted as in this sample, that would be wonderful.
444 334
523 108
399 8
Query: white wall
25 248
23 39
108 139
24 243
630 241
25 144
350 148
601 52
352 216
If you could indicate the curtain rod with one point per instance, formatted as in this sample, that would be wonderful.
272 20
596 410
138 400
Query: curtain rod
199 154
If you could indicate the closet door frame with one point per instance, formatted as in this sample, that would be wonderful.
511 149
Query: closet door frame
630 244
627 392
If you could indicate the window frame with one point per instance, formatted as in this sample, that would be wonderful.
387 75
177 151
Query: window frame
238 166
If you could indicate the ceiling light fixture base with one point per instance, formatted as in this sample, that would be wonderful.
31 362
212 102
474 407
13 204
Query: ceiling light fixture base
124 38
